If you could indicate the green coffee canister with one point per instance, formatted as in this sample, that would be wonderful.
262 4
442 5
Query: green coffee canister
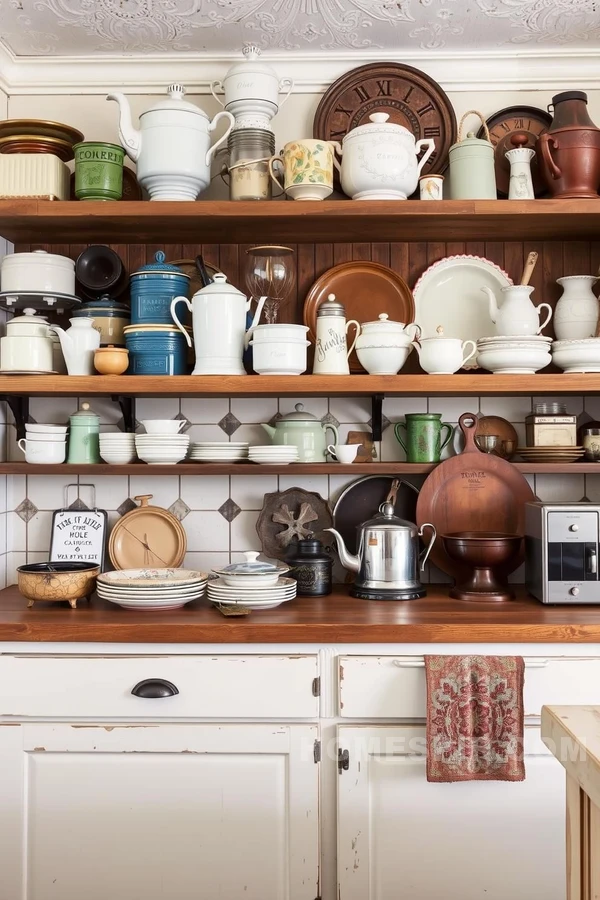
84 436
98 171
472 172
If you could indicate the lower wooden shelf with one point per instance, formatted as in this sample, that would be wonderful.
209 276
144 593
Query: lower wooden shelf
384 468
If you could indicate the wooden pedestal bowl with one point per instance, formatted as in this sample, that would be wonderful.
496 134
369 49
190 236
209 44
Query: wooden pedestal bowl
486 553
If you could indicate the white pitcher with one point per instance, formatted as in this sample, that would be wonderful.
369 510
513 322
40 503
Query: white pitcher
331 350
78 344
516 314
576 313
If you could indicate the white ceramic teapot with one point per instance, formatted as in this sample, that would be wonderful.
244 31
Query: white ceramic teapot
219 325
27 346
441 355
172 148
78 344
516 315
252 89
379 160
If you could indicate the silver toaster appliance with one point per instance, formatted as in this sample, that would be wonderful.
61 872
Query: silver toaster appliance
561 552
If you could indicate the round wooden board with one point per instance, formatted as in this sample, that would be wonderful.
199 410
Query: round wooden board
148 536
496 425
316 517
366 289
473 492
409 96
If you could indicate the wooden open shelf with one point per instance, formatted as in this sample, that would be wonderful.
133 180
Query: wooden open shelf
356 469
209 221
461 384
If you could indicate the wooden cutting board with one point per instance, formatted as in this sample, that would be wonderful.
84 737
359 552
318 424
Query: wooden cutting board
474 491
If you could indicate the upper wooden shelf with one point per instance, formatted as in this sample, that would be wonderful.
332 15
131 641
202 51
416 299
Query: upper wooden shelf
329 221
298 386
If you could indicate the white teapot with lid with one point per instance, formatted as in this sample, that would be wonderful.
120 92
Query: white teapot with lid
379 160
172 148
27 346
252 89
219 326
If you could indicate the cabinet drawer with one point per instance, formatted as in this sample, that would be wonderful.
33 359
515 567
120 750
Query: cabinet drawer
209 686
393 687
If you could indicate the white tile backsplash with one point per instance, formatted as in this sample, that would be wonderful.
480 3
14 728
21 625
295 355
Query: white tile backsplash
164 488
38 532
52 410
243 532
207 433
17 529
204 562
111 490
512 408
204 410
351 409
254 409
207 531
252 434
48 491
156 408
317 483
248 491
200 492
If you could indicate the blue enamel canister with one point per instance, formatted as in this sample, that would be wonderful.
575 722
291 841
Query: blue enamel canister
152 289
156 350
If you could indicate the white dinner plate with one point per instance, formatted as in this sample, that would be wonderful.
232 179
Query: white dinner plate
254 604
449 293
153 576
157 607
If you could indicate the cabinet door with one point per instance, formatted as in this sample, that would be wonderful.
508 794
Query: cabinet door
402 837
150 812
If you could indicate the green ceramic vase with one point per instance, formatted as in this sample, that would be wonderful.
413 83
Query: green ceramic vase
423 433
98 171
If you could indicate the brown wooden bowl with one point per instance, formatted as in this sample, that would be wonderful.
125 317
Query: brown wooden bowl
483 552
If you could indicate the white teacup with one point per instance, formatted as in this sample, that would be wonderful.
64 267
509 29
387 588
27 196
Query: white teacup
164 426
344 453
46 452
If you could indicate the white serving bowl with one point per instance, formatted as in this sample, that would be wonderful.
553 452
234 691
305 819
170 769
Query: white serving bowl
163 426
383 360
161 460
514 360
35 428
118 459
577 355
281 357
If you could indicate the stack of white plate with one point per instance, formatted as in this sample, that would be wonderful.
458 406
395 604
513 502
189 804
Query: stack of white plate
273 454
151 588
162 449
219 451
117 449
514 354
259 597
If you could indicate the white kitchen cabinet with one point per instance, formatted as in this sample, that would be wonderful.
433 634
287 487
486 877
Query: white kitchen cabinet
158 811
401 837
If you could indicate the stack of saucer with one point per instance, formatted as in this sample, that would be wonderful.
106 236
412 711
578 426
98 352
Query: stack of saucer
151 588
550 454
273 454
162 449
117 449
219 451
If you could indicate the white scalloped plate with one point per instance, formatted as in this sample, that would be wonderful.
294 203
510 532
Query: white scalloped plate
449 294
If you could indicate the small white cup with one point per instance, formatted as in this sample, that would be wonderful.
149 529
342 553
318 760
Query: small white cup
45 452
431 187
164 426
344 453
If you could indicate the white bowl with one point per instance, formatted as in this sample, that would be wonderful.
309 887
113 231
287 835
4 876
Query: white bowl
577 355
518 360
163 426
117 459
34 428
383 360
48 438
280 357
279 331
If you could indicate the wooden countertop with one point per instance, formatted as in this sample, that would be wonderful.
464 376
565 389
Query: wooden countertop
335 619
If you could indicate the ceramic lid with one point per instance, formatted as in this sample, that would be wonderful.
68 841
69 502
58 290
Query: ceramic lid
252 63
220 285
379 125
160 267
384 322
29 316
86 412
331 307
174 101
439 335
472 141
252 566
38 256
299 416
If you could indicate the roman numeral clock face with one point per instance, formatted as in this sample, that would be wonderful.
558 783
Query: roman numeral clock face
409 97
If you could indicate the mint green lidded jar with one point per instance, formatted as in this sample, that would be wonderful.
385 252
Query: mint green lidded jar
98 171
84 436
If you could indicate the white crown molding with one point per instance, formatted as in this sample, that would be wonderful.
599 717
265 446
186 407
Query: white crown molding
468 70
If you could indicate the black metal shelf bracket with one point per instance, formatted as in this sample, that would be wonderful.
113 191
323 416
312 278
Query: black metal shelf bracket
377 416
19 406
127 405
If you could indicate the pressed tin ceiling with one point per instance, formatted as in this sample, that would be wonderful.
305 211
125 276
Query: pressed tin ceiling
78 28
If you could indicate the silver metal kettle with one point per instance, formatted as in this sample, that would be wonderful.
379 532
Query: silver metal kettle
388 559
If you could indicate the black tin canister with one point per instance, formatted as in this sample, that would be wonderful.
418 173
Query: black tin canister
311 566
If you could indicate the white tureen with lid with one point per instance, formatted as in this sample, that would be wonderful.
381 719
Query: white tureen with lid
383 346
379 160
252 89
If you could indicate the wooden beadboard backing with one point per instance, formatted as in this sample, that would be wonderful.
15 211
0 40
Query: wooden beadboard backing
409 259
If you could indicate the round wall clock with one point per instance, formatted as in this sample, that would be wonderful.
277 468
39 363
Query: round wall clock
148 536
502 125
410 98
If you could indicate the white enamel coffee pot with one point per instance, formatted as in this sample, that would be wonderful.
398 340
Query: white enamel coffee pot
219 326
172 148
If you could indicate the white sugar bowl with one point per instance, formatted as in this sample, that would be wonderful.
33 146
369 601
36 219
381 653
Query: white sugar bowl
382 347
441 355
379 160
252 89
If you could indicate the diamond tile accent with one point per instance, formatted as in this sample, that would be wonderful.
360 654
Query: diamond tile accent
26 510
188 424
229 424
274 419
329 419
385 423
78 504
179 508
229 510
126 506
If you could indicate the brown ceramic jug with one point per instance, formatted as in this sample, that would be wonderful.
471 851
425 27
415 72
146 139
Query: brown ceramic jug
569 152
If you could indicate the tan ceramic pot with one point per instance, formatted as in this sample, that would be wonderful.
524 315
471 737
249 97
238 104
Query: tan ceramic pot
111 360
44 581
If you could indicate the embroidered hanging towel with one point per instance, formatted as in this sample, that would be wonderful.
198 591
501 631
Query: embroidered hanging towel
475 718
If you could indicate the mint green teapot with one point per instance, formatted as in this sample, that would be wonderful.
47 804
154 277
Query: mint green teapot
306 432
